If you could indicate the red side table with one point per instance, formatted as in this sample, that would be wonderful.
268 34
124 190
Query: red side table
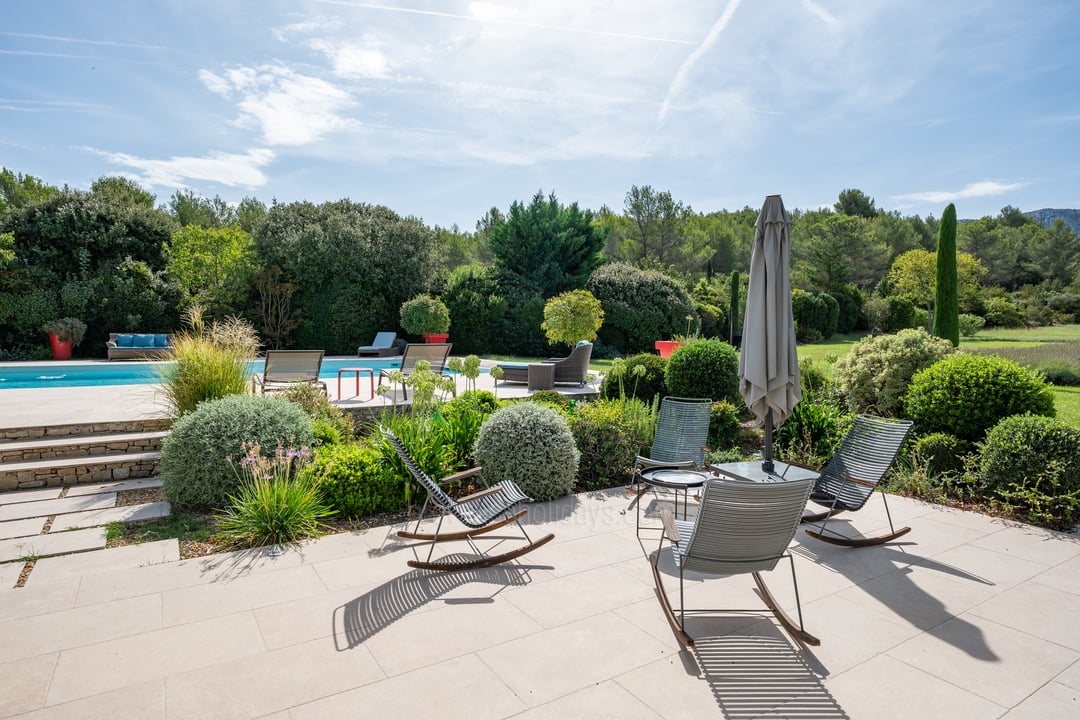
358 371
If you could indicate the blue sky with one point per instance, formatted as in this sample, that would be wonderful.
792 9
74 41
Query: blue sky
445 109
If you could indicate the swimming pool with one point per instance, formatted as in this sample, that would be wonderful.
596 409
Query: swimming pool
94 373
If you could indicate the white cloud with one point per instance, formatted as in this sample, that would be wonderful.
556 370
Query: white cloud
232 169
354 61
288 107
986 188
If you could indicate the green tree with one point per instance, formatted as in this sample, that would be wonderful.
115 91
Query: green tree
913 276
572 316
657 223
18 190
187 208
213 267
946 323
855 202
352 264
545 246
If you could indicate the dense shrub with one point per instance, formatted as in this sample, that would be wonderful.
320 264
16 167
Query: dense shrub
812 432
941 453
970 324
899 315
723 426
714 322
640 306
1002 312
644 383
531 445
331 422
815 314
848 305
477 311
1031 464
549 397
195 455
875 373
605 439
704 368
813 381
354 481
968 394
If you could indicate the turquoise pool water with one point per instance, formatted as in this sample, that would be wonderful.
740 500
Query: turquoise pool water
93 374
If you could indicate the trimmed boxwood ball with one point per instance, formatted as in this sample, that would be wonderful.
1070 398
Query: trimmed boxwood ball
941 452
966 395
704 368
195 467
531 445
1034 461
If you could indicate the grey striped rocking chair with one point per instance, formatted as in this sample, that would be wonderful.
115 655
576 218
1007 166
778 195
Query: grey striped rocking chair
741 527
481 512
848 480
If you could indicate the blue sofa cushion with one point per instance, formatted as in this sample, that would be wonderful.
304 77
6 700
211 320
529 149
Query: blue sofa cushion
161 341
143 340
125 340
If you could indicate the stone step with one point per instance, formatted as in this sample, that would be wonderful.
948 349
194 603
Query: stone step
17 434
53 569
74 471
107 487
60 506
21 528
123 513
62 543
48 448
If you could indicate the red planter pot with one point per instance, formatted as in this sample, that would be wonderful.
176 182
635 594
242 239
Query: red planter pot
60 350
666 347
436 337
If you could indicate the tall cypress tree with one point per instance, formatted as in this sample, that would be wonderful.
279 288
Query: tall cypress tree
733 309
946 294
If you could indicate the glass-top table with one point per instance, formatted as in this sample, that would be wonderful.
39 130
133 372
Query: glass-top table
751 471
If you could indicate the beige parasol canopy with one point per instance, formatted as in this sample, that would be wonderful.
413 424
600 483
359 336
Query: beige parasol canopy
768 363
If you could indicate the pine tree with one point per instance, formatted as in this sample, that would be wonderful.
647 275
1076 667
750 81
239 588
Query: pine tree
946 295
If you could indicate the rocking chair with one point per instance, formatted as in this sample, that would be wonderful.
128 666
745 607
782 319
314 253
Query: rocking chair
741 527
481 512
846 482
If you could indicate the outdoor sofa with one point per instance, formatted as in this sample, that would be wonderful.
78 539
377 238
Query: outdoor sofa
136 346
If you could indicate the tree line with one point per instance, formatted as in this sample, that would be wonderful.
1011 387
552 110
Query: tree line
330 275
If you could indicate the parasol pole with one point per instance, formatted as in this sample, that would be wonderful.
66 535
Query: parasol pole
767 461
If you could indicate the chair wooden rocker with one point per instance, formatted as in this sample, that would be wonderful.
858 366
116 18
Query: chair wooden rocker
481 512
741 527
846 482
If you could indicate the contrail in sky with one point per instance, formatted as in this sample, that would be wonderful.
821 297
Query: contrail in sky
679 83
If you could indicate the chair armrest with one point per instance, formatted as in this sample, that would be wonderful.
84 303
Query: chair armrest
670 531
857 481
480 494
460 475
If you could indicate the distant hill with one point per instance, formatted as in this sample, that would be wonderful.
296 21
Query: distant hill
1047 216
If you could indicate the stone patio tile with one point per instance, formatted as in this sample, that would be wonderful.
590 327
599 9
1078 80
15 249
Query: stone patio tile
268 682
930 536
855 565
968 519
35 495
607 699
9 575
114 486
49 570
1031 543
565 599
114 664
1002 570
1065 576
1013 608
886 689
1053 700
66 629
59 506
836 621
124 514
158 576
52 544
673 686
23 683
460 689
987 659
401 644
526 665
27 602
919 596
363 569
21 528
572 556
1070 676
305 619
200 602
145 702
